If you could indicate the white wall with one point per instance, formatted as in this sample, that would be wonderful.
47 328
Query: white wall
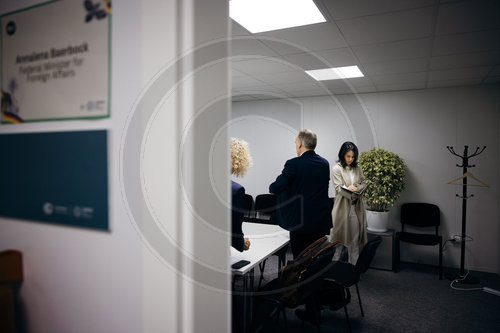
149 273
417 125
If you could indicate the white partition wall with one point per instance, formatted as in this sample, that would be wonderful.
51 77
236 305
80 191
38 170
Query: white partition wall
162 267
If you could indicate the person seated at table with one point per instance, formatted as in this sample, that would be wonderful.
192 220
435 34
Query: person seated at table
240 162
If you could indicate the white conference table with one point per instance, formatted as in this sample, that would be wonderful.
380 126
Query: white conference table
265 240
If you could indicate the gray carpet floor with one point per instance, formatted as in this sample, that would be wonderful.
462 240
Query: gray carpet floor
412 300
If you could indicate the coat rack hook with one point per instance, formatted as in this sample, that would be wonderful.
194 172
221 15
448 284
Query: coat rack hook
451 150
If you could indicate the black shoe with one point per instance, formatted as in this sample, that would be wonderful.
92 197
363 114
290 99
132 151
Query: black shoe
308 316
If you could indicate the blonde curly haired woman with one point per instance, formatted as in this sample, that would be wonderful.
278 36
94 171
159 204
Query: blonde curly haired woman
240 162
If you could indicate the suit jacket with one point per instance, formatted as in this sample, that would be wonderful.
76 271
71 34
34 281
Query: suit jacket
302 189
341 227
238 199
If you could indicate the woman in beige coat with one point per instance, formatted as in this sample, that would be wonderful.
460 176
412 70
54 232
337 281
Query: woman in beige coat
349 220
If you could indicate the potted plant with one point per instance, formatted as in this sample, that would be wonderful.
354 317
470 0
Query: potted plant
385 171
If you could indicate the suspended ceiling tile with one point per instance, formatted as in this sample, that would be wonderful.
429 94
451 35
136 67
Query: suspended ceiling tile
359 90
453 83
281 46
411 24
312 93
240 82
400 78
268 96
335 84
408 49
250 46
478 41
401 86
306 61
322 59
348 9
396 66
314 37
263 66
365 89
265 89
295 88
459 73
359 82
339 57
465 60
468 16
342 91
286 77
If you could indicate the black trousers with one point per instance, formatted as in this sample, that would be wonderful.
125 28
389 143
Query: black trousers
300 240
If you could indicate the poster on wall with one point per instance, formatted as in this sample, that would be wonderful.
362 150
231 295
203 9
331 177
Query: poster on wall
59 177
55 61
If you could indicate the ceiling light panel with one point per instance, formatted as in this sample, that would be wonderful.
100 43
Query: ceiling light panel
335 73
267 15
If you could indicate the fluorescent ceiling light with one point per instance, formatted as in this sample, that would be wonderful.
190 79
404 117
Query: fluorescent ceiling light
335 73
266 15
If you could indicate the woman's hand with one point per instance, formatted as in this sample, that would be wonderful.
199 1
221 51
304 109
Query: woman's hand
352 188
246 245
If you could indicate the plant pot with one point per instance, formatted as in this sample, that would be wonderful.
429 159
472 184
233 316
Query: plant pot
377 221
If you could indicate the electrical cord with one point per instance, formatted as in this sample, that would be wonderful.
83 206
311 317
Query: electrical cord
462 278
458 238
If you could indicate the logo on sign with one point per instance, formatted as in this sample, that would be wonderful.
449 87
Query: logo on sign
10 28
48 208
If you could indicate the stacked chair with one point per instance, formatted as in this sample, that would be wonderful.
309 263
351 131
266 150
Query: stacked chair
11 277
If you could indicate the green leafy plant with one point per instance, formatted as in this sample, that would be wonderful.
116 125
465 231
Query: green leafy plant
385 171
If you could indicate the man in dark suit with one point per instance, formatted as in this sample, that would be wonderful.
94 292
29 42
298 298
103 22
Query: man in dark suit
302 189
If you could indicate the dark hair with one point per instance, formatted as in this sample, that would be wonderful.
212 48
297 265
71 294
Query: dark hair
346 147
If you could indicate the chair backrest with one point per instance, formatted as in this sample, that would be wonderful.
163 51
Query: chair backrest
317 269
366 256
247 204
420 215
265 203
319 265
302 276
11 266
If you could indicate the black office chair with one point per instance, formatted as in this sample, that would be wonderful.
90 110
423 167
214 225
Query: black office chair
346 274
420 215
308 288
11 278
248 210
265 208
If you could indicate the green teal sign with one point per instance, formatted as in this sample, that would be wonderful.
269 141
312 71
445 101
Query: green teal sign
57 177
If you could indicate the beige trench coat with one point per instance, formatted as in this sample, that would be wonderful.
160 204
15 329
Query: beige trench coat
341 230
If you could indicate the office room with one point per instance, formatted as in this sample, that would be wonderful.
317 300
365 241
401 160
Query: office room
424 87
179 80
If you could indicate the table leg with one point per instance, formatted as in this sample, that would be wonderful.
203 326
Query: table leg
248 286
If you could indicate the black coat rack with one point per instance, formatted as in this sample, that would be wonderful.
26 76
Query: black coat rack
465 164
